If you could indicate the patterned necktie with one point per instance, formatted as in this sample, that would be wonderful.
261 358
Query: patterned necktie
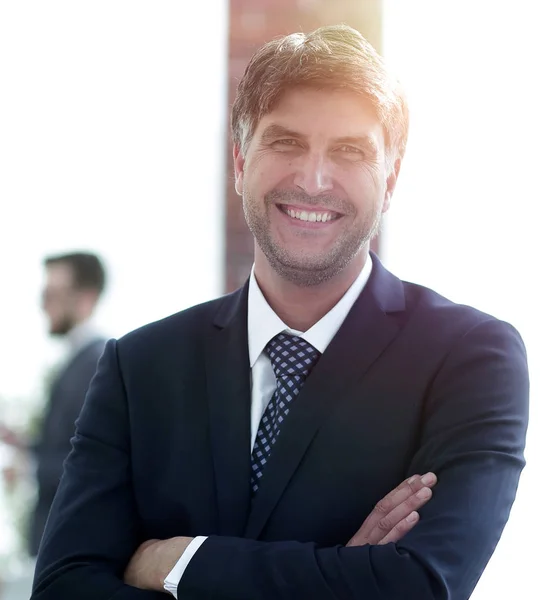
292 359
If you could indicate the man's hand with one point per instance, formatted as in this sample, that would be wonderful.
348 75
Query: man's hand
153 561
396 514
9 437
11 476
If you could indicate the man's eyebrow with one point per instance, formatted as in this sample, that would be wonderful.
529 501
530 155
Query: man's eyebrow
277 131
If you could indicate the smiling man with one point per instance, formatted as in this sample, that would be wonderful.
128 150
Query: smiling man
284 441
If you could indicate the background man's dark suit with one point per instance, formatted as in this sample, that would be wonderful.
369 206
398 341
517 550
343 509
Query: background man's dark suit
411 383
65 401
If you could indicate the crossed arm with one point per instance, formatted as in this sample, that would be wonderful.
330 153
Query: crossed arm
391 519
473 439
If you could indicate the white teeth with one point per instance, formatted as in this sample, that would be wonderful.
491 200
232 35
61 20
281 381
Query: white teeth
309 216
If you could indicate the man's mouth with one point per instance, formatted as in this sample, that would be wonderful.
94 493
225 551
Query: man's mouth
310 215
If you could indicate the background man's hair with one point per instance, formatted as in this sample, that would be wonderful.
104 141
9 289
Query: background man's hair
88 270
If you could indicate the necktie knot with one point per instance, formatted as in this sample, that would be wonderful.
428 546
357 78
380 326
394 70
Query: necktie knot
291 356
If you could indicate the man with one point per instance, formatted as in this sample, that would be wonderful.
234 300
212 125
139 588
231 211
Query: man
74 284
234 450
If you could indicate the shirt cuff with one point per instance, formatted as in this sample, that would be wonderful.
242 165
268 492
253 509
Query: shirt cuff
171 583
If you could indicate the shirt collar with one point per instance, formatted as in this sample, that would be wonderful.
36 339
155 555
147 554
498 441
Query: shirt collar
81 335
264 323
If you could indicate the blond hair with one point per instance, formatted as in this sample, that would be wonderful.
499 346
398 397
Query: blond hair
331 57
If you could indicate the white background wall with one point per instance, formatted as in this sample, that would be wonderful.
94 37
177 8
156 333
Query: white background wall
112 138
472 214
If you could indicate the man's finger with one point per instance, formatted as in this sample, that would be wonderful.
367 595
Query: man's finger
379 530
391 521
373 528
402 492
401 529
406 489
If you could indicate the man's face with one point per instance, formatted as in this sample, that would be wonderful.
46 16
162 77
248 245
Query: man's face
60 299
314 182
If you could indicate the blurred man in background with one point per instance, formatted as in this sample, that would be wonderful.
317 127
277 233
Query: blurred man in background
74 285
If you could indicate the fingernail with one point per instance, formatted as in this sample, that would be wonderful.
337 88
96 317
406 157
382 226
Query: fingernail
412 517
412 479
428 479
423 494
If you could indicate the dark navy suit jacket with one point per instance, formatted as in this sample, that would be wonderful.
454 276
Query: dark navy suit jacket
410 383
65 401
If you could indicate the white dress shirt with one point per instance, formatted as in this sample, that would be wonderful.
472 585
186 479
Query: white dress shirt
76 340
263 325
80 336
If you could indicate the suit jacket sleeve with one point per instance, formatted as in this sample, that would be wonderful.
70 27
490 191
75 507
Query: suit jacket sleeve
472 436
51 462
92 531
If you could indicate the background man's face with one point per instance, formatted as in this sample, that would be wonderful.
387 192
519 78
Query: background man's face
60 299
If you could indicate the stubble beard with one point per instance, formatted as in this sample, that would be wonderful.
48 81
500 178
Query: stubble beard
63 327
302 268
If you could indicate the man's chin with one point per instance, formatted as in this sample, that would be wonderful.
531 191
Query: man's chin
57 333
304 271
60 330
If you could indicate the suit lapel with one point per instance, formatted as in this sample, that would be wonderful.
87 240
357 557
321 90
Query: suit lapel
228 383
367 331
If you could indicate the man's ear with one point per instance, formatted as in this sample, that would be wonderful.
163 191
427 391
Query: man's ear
239 160
391 184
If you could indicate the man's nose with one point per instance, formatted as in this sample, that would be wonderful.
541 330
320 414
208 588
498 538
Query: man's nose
314 174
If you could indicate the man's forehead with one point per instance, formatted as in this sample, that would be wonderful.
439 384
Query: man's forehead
329 114
59 274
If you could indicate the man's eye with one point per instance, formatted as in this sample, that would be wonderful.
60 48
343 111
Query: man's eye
351 149
287 142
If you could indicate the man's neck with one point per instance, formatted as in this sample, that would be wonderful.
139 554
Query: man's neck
300 307
81 334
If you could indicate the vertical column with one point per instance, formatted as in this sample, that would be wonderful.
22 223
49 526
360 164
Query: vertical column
252 23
